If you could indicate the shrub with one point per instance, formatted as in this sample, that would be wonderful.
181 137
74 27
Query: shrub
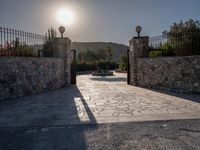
48 46
89 66
86 66
163 50
17 48
123 63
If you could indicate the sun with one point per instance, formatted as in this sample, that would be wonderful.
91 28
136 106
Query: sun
65 16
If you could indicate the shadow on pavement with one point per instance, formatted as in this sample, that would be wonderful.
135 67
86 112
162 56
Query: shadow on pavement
46 121
190 97
109 79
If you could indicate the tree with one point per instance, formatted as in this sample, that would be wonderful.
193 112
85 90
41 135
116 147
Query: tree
109 53
100 59
79 57
90 56
184 38
123 62
48 46
101 54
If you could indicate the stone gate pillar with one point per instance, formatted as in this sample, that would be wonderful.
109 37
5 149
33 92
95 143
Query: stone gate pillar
138 49
62 49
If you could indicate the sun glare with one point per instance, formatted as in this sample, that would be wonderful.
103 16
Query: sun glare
65 16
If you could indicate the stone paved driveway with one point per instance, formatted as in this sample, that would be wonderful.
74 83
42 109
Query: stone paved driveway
98 100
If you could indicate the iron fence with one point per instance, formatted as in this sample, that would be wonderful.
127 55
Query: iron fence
19 43
179 44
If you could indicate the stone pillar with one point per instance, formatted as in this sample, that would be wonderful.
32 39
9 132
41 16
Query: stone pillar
62 49
139 48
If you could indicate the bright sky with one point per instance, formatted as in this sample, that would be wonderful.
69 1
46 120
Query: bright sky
98 20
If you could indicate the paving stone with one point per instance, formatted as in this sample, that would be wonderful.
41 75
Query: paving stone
94 101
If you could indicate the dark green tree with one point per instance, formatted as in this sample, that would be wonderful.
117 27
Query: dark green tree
109 53
90 56
80 57
100 59
184 37
48 46
101 54
123 62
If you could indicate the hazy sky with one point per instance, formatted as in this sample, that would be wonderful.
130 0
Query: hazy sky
98 20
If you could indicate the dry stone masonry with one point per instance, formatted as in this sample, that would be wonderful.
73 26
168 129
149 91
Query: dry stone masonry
177 74
21 77
62 49
138 49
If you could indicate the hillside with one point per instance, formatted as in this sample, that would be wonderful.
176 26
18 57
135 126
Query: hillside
118 49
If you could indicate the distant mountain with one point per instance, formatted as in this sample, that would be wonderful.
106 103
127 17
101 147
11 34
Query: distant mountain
118 49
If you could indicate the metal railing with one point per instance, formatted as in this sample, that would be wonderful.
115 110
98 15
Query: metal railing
19 43
179 44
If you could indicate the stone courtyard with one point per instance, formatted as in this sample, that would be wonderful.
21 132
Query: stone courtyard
98 100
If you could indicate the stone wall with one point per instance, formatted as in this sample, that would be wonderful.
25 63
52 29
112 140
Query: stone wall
139 48
62 49
26 76
177 74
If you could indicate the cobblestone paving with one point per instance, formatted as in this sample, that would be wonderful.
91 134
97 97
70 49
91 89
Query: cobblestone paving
98 100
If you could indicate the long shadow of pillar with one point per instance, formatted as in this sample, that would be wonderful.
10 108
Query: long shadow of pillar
79 140
92 119
73 67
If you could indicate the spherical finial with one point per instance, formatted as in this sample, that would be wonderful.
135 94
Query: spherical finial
138 29
62 30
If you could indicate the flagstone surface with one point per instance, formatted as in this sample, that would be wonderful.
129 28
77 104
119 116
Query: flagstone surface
98 100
